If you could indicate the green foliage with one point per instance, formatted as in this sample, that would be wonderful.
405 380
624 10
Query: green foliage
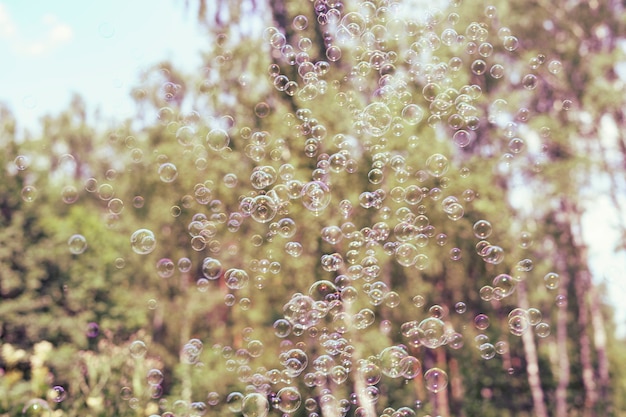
129 333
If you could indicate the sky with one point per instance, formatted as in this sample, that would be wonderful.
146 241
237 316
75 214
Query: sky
52 49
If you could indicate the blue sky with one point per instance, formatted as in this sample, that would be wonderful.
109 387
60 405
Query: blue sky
51 49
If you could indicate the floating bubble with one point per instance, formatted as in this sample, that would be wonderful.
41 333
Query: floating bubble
487 351
482 229
138 349
479 67
57 394
165 267
168 172
143 241
412 114
530 81
288 399
518 321
555 66
436 380
551 280
211 268
263 209
437 165
432 332
21 162
503 285
77 244
376 119
154 376
300 22
262 110
236 279
542 330
69 194
29 193
36 407
391 361
315 196
481 321
234 401
217 139
255 405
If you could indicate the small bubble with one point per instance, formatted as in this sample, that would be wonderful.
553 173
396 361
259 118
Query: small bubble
479 67
77 244
555 67
93 330
29 193
481 321
21 162
530 81
138 349
36 407
482 229
168 172
436 379
262 110
143 241
300 22
542 330
551 280
57 394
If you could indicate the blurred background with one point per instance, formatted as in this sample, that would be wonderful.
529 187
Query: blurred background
258 207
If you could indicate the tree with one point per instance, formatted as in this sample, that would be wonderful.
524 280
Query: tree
326 219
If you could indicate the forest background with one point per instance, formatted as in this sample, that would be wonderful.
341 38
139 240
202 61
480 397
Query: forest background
359 208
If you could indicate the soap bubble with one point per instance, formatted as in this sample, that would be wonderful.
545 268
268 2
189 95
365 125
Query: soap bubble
530 81
315 196
234 401
542 330
432 332
255 405
482 229
69 194
211 268
138 349
288 399
21 162
217 139
437 165
551 280
36 407
518 321
29 193
300 22
154 376
391 361
263 209
57 394
436 379
555 66
376 119
168 172
503 285
77 244
143 241
481 321
165 267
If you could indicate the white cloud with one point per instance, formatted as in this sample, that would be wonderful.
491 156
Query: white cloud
55 34
7 27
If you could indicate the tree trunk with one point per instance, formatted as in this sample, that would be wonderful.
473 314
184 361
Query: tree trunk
532 362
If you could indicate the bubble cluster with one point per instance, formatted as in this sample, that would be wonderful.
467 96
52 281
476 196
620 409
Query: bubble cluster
339 211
